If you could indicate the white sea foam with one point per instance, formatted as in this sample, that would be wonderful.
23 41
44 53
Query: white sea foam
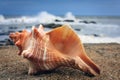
1 18
69 15
92 39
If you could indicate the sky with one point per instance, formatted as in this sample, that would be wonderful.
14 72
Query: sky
61 7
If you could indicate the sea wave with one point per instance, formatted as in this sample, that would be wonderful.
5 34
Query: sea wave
42 17
90 32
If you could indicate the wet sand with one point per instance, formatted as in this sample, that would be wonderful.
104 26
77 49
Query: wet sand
107 56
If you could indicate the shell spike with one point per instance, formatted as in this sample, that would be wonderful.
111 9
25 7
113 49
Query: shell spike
40 29
33 27
36 34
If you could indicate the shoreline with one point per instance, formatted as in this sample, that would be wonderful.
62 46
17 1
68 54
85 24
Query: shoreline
105 55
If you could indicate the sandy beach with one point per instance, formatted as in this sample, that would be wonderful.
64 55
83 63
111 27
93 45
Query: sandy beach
107 56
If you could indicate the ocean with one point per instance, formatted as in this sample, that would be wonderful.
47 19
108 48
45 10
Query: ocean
91 29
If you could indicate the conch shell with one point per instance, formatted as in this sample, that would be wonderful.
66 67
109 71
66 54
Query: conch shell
49 50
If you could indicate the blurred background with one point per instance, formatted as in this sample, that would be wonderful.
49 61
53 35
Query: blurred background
94 21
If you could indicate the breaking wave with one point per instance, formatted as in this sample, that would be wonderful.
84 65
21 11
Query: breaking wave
105 32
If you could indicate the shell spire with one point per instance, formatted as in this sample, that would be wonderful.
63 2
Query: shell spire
49 50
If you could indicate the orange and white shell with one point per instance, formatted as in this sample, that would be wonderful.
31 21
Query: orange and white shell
49 50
